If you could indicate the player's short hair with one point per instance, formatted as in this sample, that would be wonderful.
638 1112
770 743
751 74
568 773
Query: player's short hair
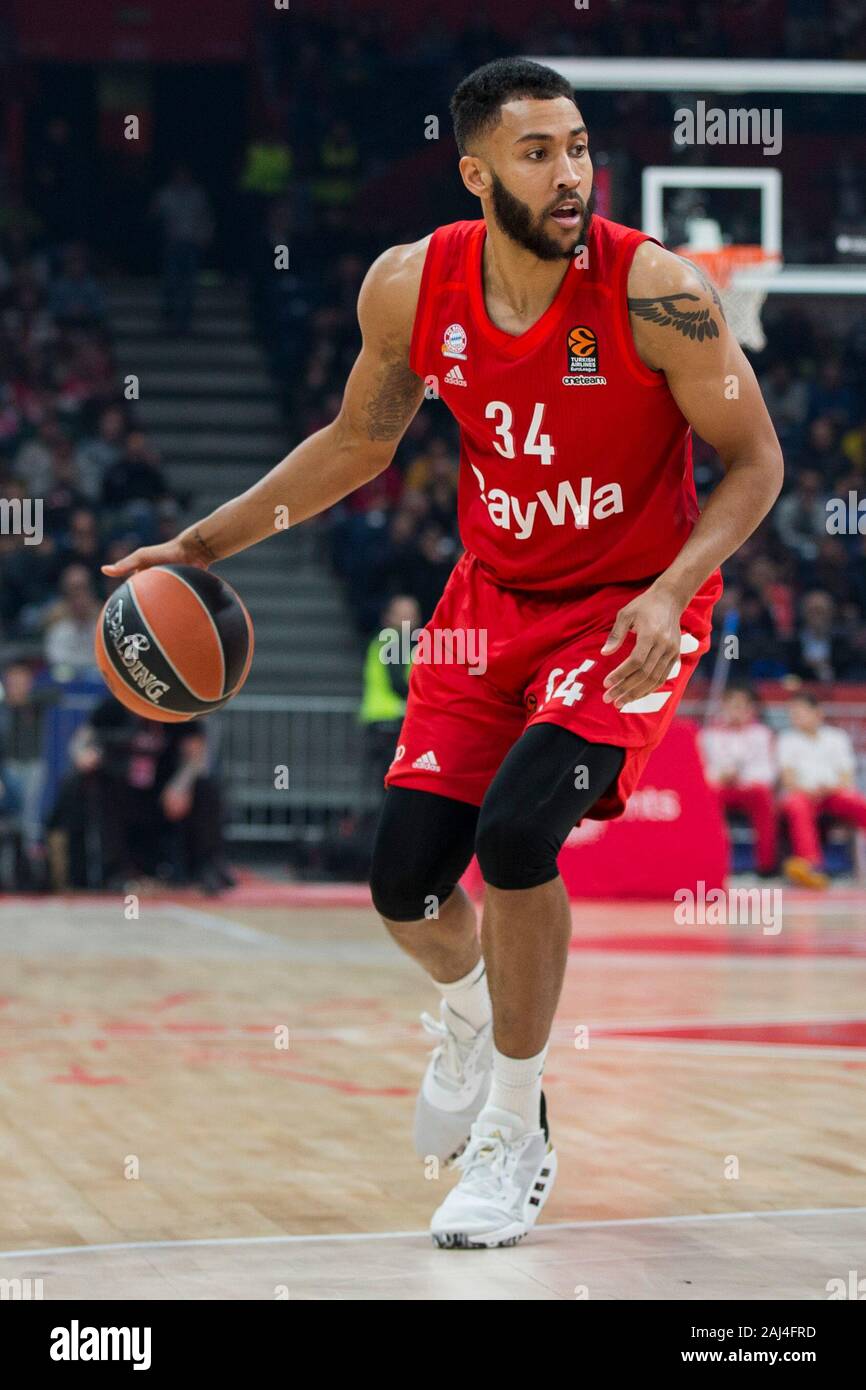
476 104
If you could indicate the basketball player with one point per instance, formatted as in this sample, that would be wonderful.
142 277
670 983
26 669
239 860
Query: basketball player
575 354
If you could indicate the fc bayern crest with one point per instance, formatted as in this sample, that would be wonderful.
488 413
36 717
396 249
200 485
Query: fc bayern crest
454 341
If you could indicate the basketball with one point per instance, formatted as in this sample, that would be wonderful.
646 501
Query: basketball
174 642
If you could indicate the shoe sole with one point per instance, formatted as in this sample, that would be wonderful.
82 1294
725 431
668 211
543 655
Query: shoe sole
506 1235
458 1240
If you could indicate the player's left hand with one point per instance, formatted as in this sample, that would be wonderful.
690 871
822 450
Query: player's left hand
655 617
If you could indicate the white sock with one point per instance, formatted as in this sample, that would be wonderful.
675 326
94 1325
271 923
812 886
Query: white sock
516 1088
468 999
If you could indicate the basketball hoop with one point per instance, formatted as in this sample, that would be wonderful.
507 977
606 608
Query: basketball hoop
742 304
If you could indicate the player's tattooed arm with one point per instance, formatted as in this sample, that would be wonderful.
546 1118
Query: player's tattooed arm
669 297
695 310
204 551
393 395
682 312
706 282
714 386
383 393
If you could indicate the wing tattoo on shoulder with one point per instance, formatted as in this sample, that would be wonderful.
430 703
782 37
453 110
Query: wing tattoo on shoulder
672 311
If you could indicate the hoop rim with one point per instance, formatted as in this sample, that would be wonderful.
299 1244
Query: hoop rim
722 263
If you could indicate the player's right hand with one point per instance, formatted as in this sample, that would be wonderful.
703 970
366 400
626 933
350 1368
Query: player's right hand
180 551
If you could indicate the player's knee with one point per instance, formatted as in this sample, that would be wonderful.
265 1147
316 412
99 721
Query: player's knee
401 885
512 851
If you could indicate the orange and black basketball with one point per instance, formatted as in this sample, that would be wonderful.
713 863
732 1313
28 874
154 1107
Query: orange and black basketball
174 642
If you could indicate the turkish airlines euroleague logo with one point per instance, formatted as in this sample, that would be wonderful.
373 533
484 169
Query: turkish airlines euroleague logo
582 353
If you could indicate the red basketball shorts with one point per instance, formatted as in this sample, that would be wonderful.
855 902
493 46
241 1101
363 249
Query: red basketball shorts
492 661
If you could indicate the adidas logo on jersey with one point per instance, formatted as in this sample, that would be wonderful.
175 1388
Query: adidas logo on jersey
427 763
455 377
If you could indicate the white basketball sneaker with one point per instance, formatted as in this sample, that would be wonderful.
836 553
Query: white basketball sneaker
455 1086
506 1180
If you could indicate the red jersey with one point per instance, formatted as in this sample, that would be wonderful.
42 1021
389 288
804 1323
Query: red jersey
575 467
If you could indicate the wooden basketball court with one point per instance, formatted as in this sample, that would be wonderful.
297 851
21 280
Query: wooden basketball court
706 1089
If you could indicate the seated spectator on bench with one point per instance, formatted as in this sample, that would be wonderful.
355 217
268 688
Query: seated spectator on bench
139 802
817 778
740 762
71 627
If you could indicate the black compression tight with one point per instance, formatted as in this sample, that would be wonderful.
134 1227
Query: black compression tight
547 782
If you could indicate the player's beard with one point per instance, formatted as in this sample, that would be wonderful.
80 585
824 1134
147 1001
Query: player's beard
517 221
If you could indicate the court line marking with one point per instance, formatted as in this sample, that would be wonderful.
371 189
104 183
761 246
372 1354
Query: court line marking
714 960
223 926
353 1236
173 912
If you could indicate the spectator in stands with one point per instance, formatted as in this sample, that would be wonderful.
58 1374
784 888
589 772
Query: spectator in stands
97 453
384 568
20 751
787 400
72 627
132 487
817 778
386 684
10 788
60 180
761 650
831 570
821 453
831 398
75 296
143 793
855 632
429 567
740 762
34 461
338 159
20 724
777 593
853 446
183 209
267 166
28 586
819 651
26 318
83 545
63 495
801 515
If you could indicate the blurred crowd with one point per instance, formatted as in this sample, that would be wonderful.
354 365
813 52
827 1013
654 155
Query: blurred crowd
87 480
80 484
795 593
